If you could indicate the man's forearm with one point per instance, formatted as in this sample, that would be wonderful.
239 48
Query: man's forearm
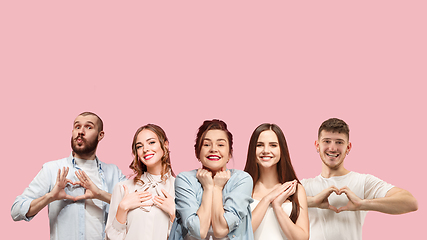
104 196
38 204
397 201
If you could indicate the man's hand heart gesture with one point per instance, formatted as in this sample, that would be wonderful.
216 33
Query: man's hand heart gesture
321 199
58 192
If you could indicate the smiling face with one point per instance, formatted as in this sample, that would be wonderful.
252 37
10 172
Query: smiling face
85 136
149 151
332 148
215 150
267 149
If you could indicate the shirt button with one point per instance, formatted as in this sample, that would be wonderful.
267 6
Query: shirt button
234 236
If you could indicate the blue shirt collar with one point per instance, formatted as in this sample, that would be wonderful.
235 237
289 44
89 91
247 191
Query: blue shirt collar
71 160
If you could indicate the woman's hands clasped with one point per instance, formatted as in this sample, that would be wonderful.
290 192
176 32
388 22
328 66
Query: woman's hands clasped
281 193
208 181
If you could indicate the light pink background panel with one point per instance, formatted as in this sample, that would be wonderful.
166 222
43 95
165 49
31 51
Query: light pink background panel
178 63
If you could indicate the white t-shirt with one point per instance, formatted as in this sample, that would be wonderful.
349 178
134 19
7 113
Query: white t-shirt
270 228
325 224
94 213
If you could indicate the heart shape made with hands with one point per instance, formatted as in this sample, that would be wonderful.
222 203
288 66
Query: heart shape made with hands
337 199
343 199
74 189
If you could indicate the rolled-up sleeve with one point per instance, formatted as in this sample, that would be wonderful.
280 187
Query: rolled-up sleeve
37 188
187 203
237 199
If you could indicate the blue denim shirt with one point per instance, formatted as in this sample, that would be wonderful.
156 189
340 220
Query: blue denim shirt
236 200
66 218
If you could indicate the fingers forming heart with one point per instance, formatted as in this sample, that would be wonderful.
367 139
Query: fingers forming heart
75 190
349 202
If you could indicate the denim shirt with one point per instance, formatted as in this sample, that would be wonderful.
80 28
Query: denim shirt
236 201
66 218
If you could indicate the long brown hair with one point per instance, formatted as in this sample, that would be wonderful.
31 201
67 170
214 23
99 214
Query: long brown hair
140 168
285 171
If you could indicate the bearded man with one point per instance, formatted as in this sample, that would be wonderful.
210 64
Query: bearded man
77 189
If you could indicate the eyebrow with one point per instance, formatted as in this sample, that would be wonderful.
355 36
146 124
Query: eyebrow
145 140
77 122
86 122
221 139
335 139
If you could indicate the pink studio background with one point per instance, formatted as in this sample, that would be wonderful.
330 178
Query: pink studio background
178 63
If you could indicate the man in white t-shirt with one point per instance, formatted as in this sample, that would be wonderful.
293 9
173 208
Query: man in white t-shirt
77 189
338 199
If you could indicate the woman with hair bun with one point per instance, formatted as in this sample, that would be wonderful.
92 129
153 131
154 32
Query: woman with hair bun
212 202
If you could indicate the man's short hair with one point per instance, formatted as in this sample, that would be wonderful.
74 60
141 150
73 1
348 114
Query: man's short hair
100 123
334 125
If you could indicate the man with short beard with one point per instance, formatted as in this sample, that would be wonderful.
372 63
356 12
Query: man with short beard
76 189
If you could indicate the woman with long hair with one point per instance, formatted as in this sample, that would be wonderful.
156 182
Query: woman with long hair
212 202
143 207
279 210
